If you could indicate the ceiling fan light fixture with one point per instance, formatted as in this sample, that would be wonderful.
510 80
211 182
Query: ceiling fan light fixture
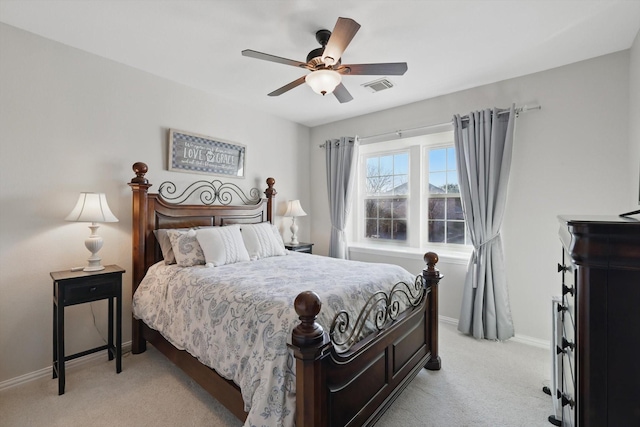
323 81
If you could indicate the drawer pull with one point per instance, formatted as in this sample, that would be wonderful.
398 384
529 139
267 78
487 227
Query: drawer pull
565 343
566 399
567 290
562 268
93 288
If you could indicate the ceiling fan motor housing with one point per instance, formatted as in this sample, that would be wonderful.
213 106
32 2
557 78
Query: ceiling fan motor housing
314 58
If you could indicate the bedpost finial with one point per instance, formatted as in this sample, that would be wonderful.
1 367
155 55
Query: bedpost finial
140 169
431 258
431 273
270 191
308 332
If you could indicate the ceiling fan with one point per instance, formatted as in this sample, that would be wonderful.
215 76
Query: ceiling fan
325 63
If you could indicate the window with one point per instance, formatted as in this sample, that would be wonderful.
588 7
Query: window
385 200
444 214
408 193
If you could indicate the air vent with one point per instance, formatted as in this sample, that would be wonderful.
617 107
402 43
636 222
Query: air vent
378 85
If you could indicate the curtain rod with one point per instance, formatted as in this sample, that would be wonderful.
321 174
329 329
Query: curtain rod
518 110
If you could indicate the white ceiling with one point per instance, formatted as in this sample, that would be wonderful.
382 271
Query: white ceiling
448 45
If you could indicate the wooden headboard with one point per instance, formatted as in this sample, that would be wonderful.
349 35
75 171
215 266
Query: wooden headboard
152 211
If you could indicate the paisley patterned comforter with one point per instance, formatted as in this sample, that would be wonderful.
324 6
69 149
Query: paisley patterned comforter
238 318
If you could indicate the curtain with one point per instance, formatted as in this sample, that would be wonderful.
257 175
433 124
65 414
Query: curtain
483 148
341 157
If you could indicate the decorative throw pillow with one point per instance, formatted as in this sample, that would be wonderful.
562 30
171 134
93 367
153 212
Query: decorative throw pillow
262 240
165 244
222 245
186 248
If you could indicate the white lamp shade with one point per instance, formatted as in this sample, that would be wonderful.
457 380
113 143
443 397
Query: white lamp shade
323 81
294 209
92 207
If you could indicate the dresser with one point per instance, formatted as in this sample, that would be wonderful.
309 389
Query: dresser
600 346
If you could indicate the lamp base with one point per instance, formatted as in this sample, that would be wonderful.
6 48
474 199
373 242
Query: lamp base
93 267
294 231
94 243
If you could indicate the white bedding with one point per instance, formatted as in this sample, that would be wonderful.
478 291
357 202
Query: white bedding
238 318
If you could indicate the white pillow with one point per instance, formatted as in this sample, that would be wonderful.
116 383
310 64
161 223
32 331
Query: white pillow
186 248
262 240
222 245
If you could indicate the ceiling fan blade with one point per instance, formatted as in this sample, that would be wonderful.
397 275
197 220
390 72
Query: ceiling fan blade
387 68
342 94
288 87
272 58
342 34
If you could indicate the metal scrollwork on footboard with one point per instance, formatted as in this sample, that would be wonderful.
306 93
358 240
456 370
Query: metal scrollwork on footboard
380 310
209 192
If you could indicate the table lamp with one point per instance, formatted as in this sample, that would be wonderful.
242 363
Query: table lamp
294 210
93 208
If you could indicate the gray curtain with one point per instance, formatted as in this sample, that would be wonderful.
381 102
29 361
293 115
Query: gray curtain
483 148
341 160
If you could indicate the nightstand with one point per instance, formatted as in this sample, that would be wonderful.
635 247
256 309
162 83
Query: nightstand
78 287
300 247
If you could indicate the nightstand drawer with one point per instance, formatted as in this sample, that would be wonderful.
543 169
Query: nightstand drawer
306 248
89 290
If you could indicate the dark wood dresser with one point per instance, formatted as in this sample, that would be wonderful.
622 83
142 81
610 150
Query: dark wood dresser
601 321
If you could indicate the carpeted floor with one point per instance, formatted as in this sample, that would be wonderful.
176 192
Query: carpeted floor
482 383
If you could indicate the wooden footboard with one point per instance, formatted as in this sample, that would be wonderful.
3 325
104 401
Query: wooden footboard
334 386
355 388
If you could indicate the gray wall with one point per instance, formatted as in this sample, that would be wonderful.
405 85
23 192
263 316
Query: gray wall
570 157
73 122
634 123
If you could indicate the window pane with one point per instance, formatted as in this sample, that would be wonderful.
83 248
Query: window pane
401 164
384 229
454 208
372 166
371 208
437 182
455 232
384 208
386 165
400 230
399 208
451 158
371 228
436 208
437 160
452 182
436 231
400 184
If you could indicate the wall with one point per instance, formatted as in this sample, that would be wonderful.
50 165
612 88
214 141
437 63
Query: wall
569 157
73 122
634 123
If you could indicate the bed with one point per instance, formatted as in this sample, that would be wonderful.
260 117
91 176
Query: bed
345 373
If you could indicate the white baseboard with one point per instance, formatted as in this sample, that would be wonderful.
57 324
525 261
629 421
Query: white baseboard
535 342
524 339
48 371
449 320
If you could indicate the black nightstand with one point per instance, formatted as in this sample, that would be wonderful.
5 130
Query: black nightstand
78 287
300 247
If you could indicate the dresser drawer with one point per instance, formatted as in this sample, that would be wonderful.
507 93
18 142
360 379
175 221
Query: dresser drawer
89 290
568 390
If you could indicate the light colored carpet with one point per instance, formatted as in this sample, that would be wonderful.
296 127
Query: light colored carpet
481 383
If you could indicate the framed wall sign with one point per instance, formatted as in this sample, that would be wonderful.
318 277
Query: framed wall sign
189 152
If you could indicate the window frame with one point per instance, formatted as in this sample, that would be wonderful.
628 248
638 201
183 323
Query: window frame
365 195
428 195
418 177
